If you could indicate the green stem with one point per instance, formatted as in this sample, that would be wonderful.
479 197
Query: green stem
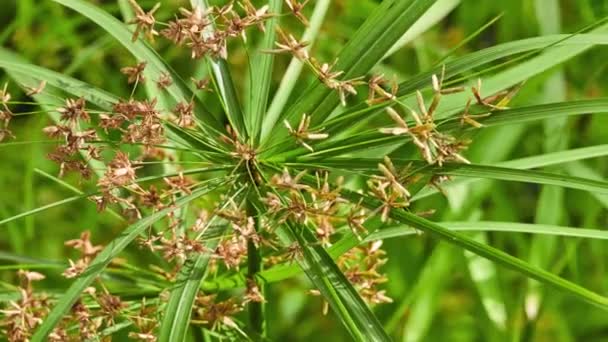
254 266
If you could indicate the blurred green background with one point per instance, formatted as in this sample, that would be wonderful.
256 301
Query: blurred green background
435 295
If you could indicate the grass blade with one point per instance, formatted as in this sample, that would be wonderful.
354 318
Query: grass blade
293 71
15 64
333 285
435 14
424 300
498 256
499 227
468 170
176 318
538 112
581 170
550 207
261 70
547 159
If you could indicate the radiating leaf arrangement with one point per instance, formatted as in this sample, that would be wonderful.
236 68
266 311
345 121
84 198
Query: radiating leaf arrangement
308 186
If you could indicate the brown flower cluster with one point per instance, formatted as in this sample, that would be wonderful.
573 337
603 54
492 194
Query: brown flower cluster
87 250
377 92
144 127
76 139
210 311
325 72
92 313
434 146
177 244
233 249
139 123
390 188
146 321
361 267
242 151
322 206
22 316
5 114
503 98
205 31
302 133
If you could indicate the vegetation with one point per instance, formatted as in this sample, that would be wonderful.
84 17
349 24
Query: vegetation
284 169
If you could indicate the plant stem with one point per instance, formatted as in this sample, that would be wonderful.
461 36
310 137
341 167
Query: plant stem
254 266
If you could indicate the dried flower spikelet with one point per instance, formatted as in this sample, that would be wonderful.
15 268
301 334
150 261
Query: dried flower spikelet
208 311
179 184
356 219
30 276
376 92
119 172
302 133
255 16
31 91
241 150
74 111
390 199
88 251
185 114
296 9
135 73
289 44
390 173
253 293
361 266
202 84
20 317
144 21
164 81
5 96
232 251
402 127
145 321
202 222
5 114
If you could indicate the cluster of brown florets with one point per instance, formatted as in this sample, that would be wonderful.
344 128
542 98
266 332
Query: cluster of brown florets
325 72
92 313
77 139
22 316
302 133
138 123
321 206
361 266
87 250
5 114
205 31
177 244
434 146
390 188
